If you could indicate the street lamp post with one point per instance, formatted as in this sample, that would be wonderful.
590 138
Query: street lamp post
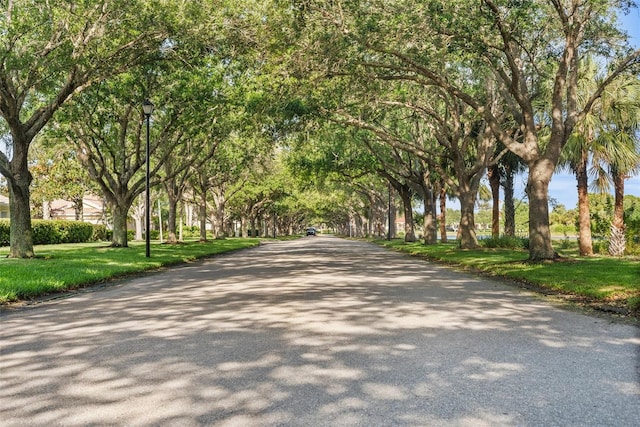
389 214
147 107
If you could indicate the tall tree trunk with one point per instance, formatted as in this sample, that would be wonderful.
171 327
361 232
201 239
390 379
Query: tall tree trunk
120 213
78 205
16 171
392 219
21 235
275 225
138 219
46 209
172 221
180 228
467 230
218 214
138 214
430 231
585 241
254 229
244 227
203 217
228 228
443 215
409 225
219 225
173 195
617 241
509 206
540 247
358 223
494 183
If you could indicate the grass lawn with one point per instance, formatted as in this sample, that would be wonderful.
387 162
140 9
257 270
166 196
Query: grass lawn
59 268
597 281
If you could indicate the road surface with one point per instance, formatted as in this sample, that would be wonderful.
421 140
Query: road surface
314 332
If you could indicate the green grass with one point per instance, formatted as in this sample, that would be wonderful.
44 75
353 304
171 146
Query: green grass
595 280
59 268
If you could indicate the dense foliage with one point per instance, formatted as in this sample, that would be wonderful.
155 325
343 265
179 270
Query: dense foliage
55 232
271 116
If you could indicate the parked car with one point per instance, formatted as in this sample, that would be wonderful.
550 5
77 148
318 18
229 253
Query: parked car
311 231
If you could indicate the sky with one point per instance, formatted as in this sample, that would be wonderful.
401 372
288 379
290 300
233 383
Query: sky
563 186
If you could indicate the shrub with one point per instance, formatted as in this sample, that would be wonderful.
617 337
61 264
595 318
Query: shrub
4 232
600 246
47 232
633 241
101 233
44 233
191 232
633 248
508 242
566 243
78 232
563 229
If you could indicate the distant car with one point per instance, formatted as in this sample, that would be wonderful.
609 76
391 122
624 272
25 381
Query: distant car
311 231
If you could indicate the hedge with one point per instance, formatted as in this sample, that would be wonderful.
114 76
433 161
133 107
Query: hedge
51 232
47 232
4 232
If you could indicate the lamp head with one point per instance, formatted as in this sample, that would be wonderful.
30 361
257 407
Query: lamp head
147 107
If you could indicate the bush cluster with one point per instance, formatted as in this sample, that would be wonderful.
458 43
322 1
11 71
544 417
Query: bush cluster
190 232
101 233
46 232
508 242
4 232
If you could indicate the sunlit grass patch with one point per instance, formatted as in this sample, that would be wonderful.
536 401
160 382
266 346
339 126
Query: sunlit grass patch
63 267
601 278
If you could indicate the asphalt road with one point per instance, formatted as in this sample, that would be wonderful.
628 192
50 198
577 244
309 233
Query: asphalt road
314 332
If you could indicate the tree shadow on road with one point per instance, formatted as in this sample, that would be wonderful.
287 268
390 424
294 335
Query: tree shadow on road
314 333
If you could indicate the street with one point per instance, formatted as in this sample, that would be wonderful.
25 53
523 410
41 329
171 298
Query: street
318 331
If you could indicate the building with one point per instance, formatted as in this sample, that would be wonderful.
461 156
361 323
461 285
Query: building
4 207
93 210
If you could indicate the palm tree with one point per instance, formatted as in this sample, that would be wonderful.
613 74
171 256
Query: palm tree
576 158
511 165
616 151
576 154
502 174
606 135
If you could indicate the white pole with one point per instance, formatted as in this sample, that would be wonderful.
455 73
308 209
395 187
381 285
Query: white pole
160 219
